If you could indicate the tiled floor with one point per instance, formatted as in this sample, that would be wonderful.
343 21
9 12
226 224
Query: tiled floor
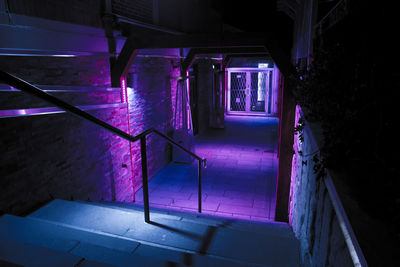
240 178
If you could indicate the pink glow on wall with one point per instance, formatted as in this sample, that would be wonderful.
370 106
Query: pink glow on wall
124 99
189 117
297 146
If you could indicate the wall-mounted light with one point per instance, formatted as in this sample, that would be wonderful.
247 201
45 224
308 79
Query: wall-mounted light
124 98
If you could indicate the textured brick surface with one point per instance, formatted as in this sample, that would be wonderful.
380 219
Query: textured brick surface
60 155
18 100
84 70
151 96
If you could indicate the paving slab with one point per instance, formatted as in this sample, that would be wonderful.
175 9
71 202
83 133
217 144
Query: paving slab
240 158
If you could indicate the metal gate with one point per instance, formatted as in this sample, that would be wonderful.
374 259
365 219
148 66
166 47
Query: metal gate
249 91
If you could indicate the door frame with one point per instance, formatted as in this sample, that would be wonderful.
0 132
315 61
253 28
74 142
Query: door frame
228 91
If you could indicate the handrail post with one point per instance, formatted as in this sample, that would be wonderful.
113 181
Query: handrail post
144 179
199 188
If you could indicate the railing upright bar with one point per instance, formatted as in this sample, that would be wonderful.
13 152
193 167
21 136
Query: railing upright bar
171 141
144 179
199 185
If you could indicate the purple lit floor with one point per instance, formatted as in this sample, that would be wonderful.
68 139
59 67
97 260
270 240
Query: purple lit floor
240 178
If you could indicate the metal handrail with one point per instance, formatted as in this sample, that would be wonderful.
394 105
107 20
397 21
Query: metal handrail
350 239
354 248
35 91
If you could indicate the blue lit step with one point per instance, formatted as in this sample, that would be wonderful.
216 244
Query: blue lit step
96 247
82 255
123 223
273 228
161 213
56 240
239 245
30 255
56 236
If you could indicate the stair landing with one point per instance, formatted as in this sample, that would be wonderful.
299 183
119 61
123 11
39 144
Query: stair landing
240 178
99 233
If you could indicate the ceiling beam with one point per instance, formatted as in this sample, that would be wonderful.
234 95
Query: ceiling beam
194 52
227 59
124 61
226 43
202 40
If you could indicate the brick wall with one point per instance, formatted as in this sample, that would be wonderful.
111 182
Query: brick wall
59 155
151 93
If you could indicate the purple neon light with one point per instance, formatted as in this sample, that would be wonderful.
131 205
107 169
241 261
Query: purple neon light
189 118
124 99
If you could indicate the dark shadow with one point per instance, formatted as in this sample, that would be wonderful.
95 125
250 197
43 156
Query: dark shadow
169 228
207 240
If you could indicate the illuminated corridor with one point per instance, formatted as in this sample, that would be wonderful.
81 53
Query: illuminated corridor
240 178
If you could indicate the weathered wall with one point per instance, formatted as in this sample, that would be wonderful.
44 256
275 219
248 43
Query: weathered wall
151 93
311 213
59 155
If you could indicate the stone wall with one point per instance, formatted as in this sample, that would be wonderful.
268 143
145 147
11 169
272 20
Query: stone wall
311 213
61 156
151 93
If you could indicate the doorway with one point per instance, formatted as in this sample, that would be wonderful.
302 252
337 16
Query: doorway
249 91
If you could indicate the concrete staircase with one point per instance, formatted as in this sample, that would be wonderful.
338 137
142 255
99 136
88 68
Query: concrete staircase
75 233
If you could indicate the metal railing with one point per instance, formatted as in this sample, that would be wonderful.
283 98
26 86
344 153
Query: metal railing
35 91
350 239
349 236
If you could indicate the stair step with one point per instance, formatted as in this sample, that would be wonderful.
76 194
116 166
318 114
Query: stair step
116 257
217 241
108 250
56 236
273 228
30 255
94 246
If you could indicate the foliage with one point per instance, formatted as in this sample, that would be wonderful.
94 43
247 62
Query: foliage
299 129
328 93
341 90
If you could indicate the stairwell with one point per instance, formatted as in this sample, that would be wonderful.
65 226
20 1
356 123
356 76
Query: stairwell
77 233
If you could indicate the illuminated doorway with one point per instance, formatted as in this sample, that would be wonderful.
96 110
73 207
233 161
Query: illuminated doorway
249 91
